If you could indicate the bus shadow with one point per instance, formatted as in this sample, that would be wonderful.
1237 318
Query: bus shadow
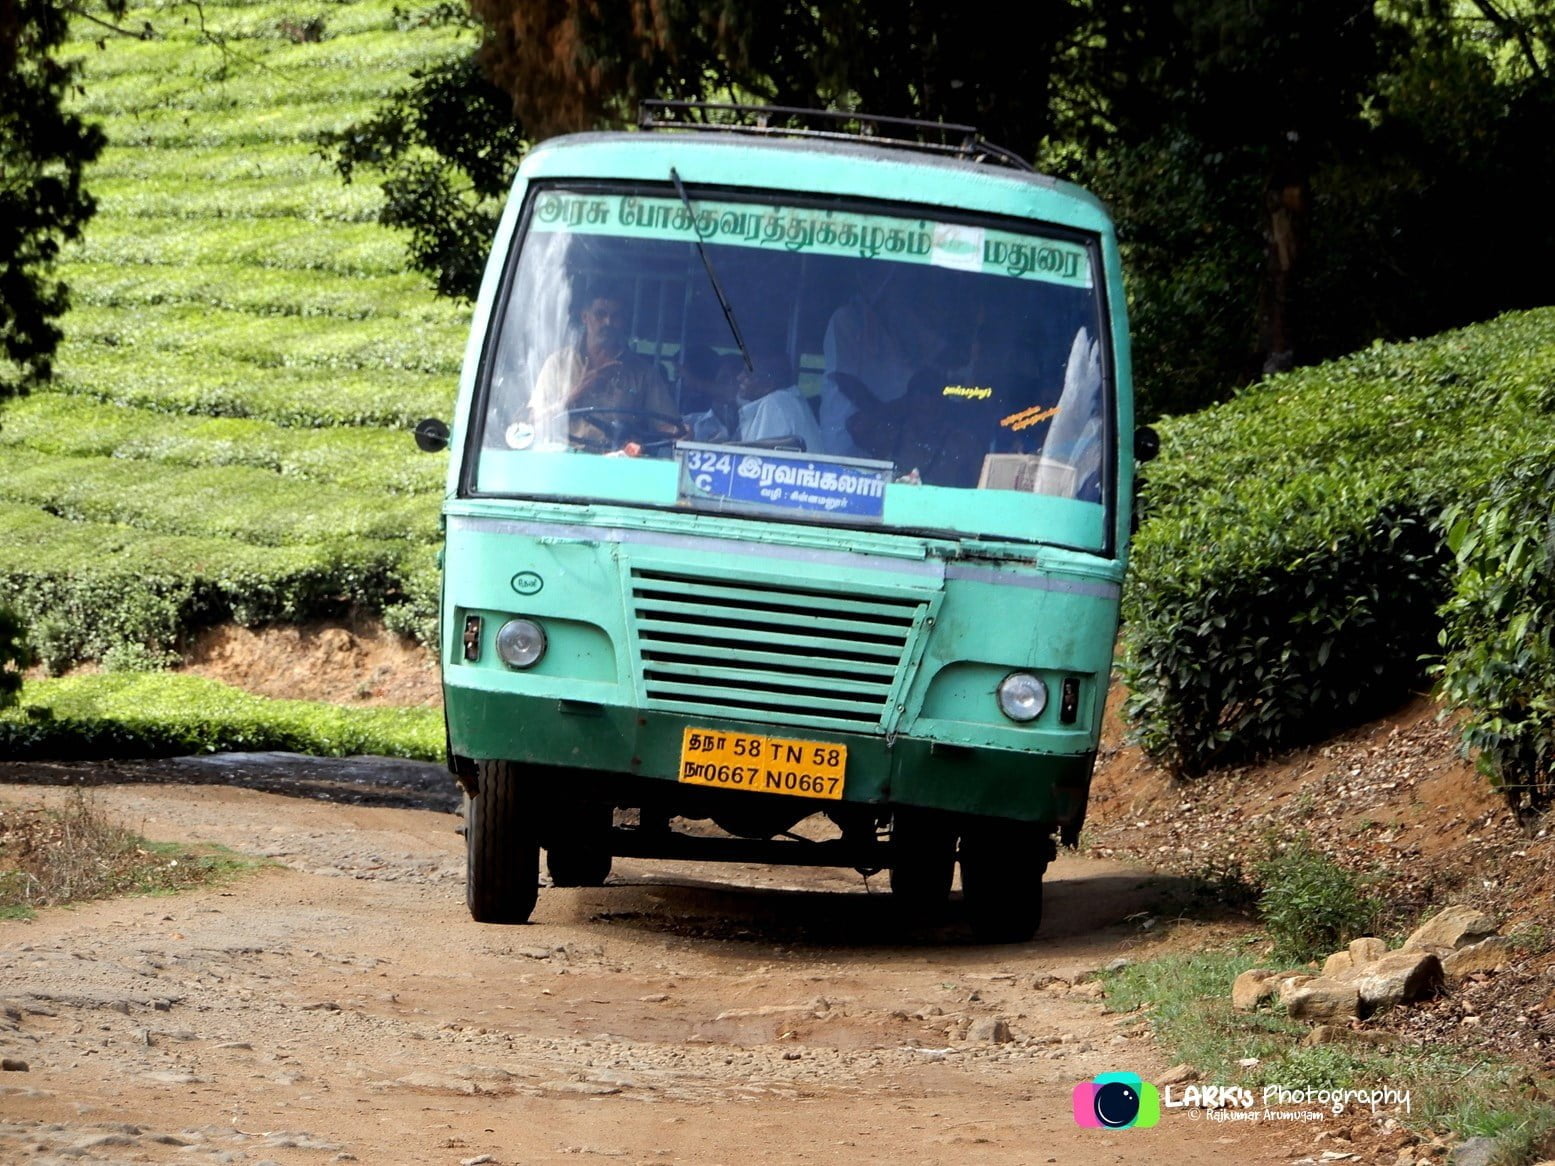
1079 910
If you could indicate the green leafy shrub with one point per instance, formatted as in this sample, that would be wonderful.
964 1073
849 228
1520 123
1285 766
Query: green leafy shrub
85 588
1499 633
1310 904
1289 576
416 615
137 658
14 656
128 714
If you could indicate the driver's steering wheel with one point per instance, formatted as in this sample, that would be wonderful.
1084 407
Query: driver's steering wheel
616 433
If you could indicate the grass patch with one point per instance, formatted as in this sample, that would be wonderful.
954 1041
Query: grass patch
1187 999
1310 904
76 852
130 714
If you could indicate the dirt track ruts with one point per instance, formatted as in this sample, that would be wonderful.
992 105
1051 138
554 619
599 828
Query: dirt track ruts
339 1005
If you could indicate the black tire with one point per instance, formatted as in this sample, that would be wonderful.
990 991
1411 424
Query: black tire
1001 879
501 847
924 866
579 850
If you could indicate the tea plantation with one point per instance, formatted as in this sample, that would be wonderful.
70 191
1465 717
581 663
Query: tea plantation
227 436
1340 535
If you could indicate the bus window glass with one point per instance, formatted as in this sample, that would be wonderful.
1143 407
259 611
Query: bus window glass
912 352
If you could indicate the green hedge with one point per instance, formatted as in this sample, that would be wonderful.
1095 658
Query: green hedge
83 588
377 462
247 504
163 715
1499 634
1288 576
213 386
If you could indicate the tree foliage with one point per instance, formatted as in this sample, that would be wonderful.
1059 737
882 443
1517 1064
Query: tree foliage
575 66
1283 172
447 145
43 149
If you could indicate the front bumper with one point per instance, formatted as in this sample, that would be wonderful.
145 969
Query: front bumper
1019 786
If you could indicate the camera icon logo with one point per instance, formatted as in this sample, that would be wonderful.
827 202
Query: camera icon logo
1116 1101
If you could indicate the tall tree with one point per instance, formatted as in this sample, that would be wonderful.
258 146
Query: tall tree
43 149
545 67
1280 170
573 66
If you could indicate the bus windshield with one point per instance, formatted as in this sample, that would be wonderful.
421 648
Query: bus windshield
806 361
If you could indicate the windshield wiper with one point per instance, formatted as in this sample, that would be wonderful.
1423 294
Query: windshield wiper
712 276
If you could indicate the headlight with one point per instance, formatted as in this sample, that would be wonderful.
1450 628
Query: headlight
520 642
1022 697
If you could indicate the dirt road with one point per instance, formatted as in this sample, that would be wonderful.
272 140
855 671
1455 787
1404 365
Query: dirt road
340 1006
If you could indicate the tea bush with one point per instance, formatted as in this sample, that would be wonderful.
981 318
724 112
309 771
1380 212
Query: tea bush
272 340
250 505
212 386
268 291
14 656
376 462
82 588
1499 634
292 244
1289 576
128 714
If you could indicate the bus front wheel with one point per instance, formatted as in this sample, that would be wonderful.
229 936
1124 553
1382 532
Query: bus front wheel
1001 879
502 847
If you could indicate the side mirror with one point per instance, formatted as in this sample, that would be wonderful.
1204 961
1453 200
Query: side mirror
1147 443
431 435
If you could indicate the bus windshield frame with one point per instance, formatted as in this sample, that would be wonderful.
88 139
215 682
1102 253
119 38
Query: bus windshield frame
706 414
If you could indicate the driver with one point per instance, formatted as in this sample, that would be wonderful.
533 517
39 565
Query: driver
601 375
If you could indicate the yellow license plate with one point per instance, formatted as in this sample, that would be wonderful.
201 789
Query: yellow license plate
769 765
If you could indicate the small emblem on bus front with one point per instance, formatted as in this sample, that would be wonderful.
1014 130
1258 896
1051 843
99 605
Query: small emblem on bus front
527 583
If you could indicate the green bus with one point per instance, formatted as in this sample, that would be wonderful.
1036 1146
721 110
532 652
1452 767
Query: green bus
791 475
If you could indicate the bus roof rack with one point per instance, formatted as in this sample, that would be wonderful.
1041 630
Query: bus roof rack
934 137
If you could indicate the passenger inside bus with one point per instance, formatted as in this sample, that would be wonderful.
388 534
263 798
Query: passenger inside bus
709 392
760 406
928 435
876 339
772 407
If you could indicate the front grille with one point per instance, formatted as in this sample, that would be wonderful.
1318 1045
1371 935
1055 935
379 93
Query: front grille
769 652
